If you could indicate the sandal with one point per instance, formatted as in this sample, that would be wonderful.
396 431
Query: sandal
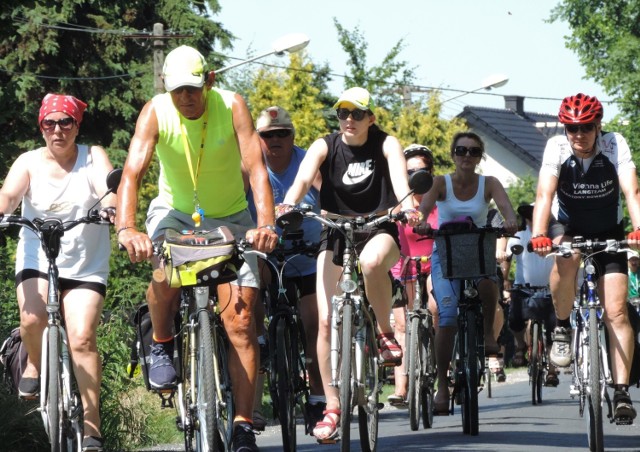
519 358
390 351
397 400
496 366
328 422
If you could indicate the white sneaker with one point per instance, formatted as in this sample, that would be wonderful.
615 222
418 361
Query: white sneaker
560 355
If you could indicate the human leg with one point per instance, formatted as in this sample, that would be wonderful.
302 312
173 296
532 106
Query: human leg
518 328
82 310
399 395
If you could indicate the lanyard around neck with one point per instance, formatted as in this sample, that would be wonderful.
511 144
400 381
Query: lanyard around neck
187 151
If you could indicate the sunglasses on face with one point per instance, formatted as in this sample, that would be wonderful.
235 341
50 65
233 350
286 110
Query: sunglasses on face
473 151
189 89
415 170
357 115
280 133
49 125
584 128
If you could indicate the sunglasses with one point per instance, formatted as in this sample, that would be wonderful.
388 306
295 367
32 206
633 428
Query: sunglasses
415 170
584 128
474 151
49 125
357 115
189 89
280 133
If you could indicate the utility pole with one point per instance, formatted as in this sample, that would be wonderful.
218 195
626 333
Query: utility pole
158 58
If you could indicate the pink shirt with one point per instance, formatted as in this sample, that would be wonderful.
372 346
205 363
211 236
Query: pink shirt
411 247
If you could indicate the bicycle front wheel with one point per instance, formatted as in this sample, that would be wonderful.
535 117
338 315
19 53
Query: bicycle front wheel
368 410
471 373
205 394
427 384
53 398
345 378
414 367
535 364
285 399
224 408
594 393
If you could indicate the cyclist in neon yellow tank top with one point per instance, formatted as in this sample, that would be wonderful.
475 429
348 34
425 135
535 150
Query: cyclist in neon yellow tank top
202 137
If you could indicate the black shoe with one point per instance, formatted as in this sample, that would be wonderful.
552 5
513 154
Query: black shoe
244 438
162 375
29 388
623 412
92 444
314 415
552 380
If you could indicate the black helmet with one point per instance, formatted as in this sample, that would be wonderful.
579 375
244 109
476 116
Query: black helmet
418 149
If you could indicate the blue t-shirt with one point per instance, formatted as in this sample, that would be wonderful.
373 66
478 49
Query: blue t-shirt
280 183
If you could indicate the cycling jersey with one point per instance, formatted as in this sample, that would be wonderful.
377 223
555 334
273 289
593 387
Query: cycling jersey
588 195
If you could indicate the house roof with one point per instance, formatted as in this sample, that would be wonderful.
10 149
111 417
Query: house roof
523 133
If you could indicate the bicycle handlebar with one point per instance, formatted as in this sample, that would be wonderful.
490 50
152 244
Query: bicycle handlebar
586 246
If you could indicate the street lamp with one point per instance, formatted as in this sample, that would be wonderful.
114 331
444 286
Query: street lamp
493 81
289 43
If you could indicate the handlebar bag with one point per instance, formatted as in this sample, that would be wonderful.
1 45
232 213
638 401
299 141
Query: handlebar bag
201 258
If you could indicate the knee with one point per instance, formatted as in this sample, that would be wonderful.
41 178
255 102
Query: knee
240 324
31 323
82 342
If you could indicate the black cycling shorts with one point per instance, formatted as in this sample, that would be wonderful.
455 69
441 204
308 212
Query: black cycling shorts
333 240
65 283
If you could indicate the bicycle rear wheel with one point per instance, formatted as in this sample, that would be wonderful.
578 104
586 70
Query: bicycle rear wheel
428 360
53 398
414 367
471 373
345 377
535 364
205 393
285 387
594 393
368 408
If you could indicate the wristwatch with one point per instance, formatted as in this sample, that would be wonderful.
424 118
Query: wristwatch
270 227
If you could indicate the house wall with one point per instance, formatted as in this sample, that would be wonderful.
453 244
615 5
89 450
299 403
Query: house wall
502 163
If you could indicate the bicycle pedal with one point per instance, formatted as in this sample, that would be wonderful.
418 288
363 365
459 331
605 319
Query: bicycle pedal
328 441
623 421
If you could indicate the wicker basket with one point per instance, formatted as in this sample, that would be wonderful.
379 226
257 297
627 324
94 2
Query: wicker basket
467 254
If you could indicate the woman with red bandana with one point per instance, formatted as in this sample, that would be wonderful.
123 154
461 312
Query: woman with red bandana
63 180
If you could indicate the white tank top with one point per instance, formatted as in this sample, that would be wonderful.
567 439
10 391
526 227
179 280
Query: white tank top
451 208
85 249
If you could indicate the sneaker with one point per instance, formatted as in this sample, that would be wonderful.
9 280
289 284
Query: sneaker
162 375
314 415
560 355
92 444
244 438
29 388
259 421
623 412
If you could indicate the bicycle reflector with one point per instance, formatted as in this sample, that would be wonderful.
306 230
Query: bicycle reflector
348 285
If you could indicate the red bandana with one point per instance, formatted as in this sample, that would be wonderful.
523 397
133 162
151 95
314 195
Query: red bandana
61 103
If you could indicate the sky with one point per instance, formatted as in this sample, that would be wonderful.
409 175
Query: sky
453 44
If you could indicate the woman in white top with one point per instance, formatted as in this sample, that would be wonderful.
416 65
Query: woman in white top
459 194
62 180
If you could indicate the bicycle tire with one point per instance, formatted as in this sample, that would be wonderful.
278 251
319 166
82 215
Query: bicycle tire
429 374
285 398
368 414
535 376
471 371
53 400
225 409
594 395
414 368
345 377
204 391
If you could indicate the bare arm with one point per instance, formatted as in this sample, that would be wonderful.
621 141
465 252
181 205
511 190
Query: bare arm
15 185
629 186
100 169
307 173
499 195
437 192
141 151
397 170
547 186
253 165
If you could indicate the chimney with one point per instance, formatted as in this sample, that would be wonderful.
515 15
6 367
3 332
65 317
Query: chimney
515 103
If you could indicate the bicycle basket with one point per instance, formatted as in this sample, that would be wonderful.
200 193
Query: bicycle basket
467 254
201 258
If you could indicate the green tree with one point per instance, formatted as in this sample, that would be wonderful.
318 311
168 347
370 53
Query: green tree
606 37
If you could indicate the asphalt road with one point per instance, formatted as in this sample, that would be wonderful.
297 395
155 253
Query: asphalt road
508 422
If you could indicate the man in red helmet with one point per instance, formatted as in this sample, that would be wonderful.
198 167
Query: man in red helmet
582 175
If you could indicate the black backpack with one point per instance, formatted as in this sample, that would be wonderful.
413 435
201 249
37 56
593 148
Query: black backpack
13 356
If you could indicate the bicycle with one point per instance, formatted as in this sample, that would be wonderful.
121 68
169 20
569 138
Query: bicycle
421 364
466 255
287 344
201 260
60 403
591 372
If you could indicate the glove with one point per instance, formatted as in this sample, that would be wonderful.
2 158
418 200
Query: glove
413 216
282 208
634 235
539 242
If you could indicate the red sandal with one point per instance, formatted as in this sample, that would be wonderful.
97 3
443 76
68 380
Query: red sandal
387 347
328 422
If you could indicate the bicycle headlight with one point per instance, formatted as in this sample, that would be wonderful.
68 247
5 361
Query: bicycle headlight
348 285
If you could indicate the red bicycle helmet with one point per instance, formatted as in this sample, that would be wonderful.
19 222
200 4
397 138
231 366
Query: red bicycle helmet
580 109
